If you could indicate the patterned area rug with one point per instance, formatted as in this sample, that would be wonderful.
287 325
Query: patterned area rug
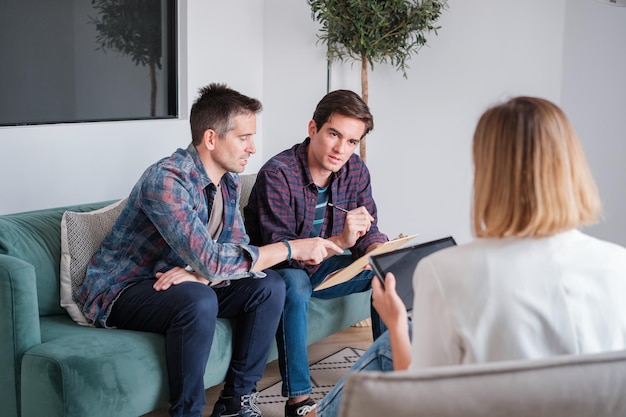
324 374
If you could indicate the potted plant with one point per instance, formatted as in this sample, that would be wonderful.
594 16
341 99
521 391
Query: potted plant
369 31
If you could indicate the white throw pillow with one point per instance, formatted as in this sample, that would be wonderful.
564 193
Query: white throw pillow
81 236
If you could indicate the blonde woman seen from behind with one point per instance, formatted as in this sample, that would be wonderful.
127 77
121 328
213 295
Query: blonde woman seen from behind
531 285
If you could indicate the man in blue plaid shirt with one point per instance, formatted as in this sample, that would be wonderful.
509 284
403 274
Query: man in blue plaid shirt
178 257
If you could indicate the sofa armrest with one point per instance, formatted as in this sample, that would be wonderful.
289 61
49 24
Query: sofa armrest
560 386
19 325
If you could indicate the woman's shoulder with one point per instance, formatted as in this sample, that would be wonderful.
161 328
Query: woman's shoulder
590 245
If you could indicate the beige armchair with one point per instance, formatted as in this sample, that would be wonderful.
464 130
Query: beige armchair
564 386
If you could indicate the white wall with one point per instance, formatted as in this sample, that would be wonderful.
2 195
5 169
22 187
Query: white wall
419 152
594 97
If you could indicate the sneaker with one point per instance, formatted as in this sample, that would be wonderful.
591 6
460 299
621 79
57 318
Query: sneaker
299 409
244 406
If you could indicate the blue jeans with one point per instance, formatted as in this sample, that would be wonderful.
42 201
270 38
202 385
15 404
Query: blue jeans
376 358
187 314
291 337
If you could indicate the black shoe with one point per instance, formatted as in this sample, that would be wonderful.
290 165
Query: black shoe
244 406
299 409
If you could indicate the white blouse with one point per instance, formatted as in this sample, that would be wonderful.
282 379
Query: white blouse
512 298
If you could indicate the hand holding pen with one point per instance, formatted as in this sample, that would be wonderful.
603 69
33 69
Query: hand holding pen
357 223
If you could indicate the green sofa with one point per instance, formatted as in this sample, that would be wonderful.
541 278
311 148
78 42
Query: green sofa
51 366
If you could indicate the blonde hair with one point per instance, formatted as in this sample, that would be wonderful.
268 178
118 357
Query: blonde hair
531 178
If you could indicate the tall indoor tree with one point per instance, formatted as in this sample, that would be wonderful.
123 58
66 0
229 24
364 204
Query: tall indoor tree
369 31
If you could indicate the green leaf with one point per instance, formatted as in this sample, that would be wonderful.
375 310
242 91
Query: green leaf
383 31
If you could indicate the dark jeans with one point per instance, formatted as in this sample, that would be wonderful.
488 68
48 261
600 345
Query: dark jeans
187 315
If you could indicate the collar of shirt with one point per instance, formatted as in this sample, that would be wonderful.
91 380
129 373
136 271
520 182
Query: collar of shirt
227 179
204 180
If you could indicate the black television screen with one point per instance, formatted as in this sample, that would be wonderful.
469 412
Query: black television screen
68 61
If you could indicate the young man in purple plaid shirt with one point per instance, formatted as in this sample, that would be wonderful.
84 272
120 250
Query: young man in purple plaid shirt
178 257
290 200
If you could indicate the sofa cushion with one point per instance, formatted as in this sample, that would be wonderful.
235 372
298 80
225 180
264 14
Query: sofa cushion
81 236
35 237
247 182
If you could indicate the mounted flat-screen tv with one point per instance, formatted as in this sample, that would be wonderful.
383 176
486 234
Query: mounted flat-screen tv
67 61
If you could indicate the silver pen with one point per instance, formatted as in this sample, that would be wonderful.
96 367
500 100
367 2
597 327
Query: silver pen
337 207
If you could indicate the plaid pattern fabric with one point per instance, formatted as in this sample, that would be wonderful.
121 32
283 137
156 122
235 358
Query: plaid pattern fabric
282 201
163 225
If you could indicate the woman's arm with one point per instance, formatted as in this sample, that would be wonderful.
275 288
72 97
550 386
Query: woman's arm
393 312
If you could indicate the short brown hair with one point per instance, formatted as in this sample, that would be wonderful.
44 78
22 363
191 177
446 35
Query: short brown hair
346 103
215 108
530 173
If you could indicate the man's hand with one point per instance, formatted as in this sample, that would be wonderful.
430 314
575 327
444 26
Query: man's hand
175 276
314 250
357 224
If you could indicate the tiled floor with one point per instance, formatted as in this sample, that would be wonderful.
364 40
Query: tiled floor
358 337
